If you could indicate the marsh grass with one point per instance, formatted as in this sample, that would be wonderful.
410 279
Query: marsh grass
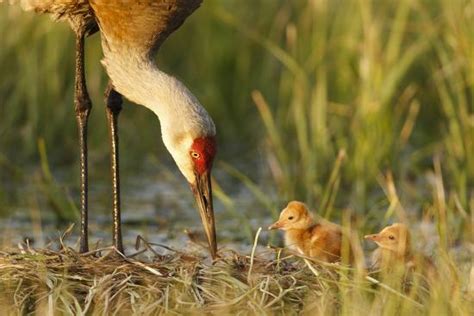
358 78
363 109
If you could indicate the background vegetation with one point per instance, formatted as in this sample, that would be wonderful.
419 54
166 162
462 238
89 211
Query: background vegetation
363 109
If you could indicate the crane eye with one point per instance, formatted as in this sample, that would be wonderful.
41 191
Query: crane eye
391 237
195 155
290 218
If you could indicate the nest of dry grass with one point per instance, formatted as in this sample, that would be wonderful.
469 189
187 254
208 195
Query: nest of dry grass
104 281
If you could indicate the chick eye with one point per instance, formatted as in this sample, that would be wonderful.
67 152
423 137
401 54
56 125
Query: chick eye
290 218
391 237
195 155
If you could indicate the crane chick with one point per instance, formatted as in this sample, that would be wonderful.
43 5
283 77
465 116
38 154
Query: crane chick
321 240
394 248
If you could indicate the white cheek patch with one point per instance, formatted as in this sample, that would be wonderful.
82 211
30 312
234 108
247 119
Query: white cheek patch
179 150
186 168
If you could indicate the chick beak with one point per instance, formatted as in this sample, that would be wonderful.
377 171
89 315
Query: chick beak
275 225
372 237
202 190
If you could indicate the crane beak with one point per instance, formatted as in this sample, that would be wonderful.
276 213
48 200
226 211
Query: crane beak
202 190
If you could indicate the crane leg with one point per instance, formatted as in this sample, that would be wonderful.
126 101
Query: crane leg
83 106
113 101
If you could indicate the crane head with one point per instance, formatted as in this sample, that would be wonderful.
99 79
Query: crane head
194 156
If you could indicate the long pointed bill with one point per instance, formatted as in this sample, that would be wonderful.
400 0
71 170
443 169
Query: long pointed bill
202 190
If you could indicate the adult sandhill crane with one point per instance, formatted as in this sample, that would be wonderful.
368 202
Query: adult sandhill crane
131 33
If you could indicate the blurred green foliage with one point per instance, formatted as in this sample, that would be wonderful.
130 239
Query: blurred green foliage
331 94
363 109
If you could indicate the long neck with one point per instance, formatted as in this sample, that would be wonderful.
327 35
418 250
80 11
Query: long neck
140 81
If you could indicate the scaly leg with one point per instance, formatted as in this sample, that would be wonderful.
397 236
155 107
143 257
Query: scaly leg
83 106
113 101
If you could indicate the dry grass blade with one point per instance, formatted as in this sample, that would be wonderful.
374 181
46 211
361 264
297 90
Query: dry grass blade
252 255
180 283
393 291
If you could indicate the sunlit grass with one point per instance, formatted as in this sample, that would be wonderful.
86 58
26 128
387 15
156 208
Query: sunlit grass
263 281
362 109
357 82
44 280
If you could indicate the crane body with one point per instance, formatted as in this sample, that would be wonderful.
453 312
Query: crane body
131 34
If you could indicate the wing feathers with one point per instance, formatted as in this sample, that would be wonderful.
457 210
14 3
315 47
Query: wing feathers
142 25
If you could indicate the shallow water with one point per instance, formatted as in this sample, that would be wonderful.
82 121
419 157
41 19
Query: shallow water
156 204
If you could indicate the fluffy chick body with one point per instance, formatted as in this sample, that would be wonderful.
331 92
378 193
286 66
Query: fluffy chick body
321 240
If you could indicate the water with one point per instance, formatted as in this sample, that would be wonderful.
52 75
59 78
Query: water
157 204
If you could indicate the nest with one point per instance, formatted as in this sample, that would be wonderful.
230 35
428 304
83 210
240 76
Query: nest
104 281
